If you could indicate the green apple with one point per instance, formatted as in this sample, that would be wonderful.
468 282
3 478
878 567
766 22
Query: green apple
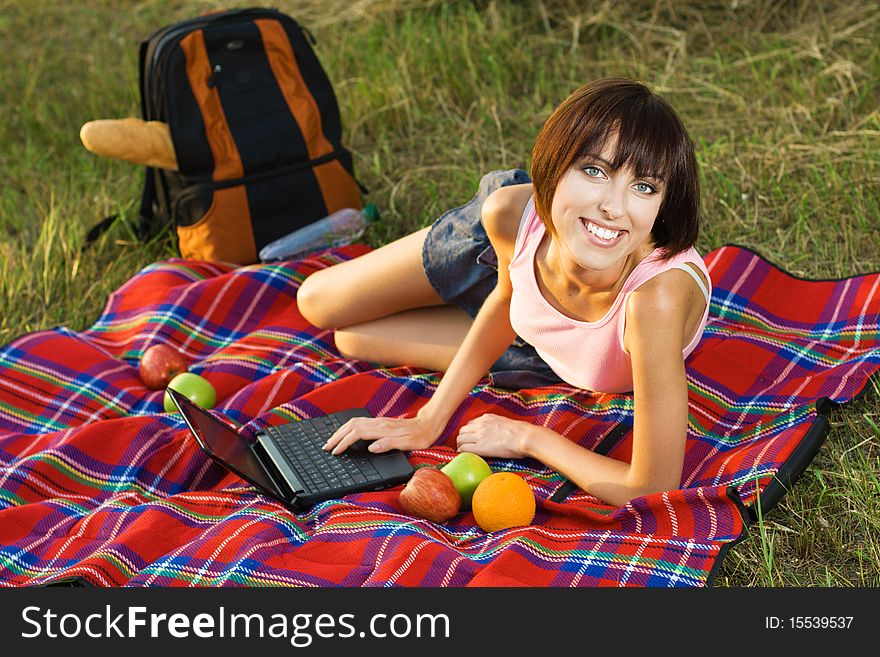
192 386
466 470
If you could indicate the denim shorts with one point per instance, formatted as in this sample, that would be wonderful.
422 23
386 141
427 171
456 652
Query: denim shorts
461 265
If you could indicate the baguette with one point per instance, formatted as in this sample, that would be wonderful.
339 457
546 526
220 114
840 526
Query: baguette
131 139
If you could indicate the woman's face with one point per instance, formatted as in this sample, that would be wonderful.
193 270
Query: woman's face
601 216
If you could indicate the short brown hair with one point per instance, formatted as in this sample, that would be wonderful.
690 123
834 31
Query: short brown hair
651 139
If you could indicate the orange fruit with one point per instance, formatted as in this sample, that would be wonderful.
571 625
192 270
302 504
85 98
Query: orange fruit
503 500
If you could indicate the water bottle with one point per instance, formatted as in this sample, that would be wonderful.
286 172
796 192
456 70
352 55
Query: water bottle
342 227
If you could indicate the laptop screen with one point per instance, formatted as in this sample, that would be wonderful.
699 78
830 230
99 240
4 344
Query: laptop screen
223 444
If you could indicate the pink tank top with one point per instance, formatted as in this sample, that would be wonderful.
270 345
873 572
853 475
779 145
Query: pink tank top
588 355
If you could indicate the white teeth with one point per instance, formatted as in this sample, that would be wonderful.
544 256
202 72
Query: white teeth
604 233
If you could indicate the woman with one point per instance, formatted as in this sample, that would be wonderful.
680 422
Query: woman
598 284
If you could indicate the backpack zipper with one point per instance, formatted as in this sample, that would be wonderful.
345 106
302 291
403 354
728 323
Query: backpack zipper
193 190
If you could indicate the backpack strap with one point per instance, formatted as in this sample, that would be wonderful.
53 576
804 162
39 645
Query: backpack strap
97 230
148 198
145 215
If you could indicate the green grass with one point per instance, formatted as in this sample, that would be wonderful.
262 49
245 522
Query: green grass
781 97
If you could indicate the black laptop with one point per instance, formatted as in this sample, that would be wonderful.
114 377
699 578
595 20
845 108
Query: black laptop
286 462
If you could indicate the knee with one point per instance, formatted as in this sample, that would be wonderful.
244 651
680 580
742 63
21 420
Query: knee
313 302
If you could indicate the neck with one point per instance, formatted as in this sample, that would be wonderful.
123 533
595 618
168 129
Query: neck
581 281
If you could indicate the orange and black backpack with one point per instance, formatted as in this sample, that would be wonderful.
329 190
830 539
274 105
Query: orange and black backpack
256 131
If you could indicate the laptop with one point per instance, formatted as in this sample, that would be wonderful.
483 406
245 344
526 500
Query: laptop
286 462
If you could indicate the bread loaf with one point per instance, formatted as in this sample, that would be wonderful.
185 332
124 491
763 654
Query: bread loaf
131 139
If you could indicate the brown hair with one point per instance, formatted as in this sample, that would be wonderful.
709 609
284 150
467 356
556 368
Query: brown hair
651 139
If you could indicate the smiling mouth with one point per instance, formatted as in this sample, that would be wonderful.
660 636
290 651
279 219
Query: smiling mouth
604 234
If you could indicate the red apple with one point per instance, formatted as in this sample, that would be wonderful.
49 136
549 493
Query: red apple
159 364
430 494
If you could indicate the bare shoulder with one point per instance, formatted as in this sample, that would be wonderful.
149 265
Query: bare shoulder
501 213
659 310
669 287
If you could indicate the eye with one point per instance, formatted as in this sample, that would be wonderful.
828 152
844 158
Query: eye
645 188
593 171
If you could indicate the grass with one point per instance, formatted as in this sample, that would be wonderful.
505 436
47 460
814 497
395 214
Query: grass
781 97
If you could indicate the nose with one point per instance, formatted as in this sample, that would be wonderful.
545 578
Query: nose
613 202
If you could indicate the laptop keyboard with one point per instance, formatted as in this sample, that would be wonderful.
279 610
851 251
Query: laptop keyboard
301 442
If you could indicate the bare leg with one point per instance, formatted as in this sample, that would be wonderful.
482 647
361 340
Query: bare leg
377 284
422 337
384 308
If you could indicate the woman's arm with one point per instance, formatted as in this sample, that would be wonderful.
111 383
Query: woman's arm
655 324
654 339
487 339
491 333
489 336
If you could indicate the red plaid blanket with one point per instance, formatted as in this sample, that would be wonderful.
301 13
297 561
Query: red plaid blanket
96 481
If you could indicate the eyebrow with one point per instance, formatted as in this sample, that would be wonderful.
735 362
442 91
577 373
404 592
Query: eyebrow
593 156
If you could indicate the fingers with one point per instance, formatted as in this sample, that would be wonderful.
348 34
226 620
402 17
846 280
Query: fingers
484 420
474 447
346 435
466 439
478 436
382 445
388 433
472 430
403 439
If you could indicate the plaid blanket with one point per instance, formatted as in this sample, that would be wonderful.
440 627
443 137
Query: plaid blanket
96 481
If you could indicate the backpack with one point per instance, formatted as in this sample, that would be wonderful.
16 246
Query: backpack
256 131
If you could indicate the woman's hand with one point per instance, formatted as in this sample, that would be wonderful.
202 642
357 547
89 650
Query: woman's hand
495 435
386 432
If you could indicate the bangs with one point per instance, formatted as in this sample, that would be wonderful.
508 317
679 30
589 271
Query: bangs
645 138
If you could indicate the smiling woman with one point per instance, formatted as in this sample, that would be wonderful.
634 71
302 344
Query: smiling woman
614 214
595 283
605 128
